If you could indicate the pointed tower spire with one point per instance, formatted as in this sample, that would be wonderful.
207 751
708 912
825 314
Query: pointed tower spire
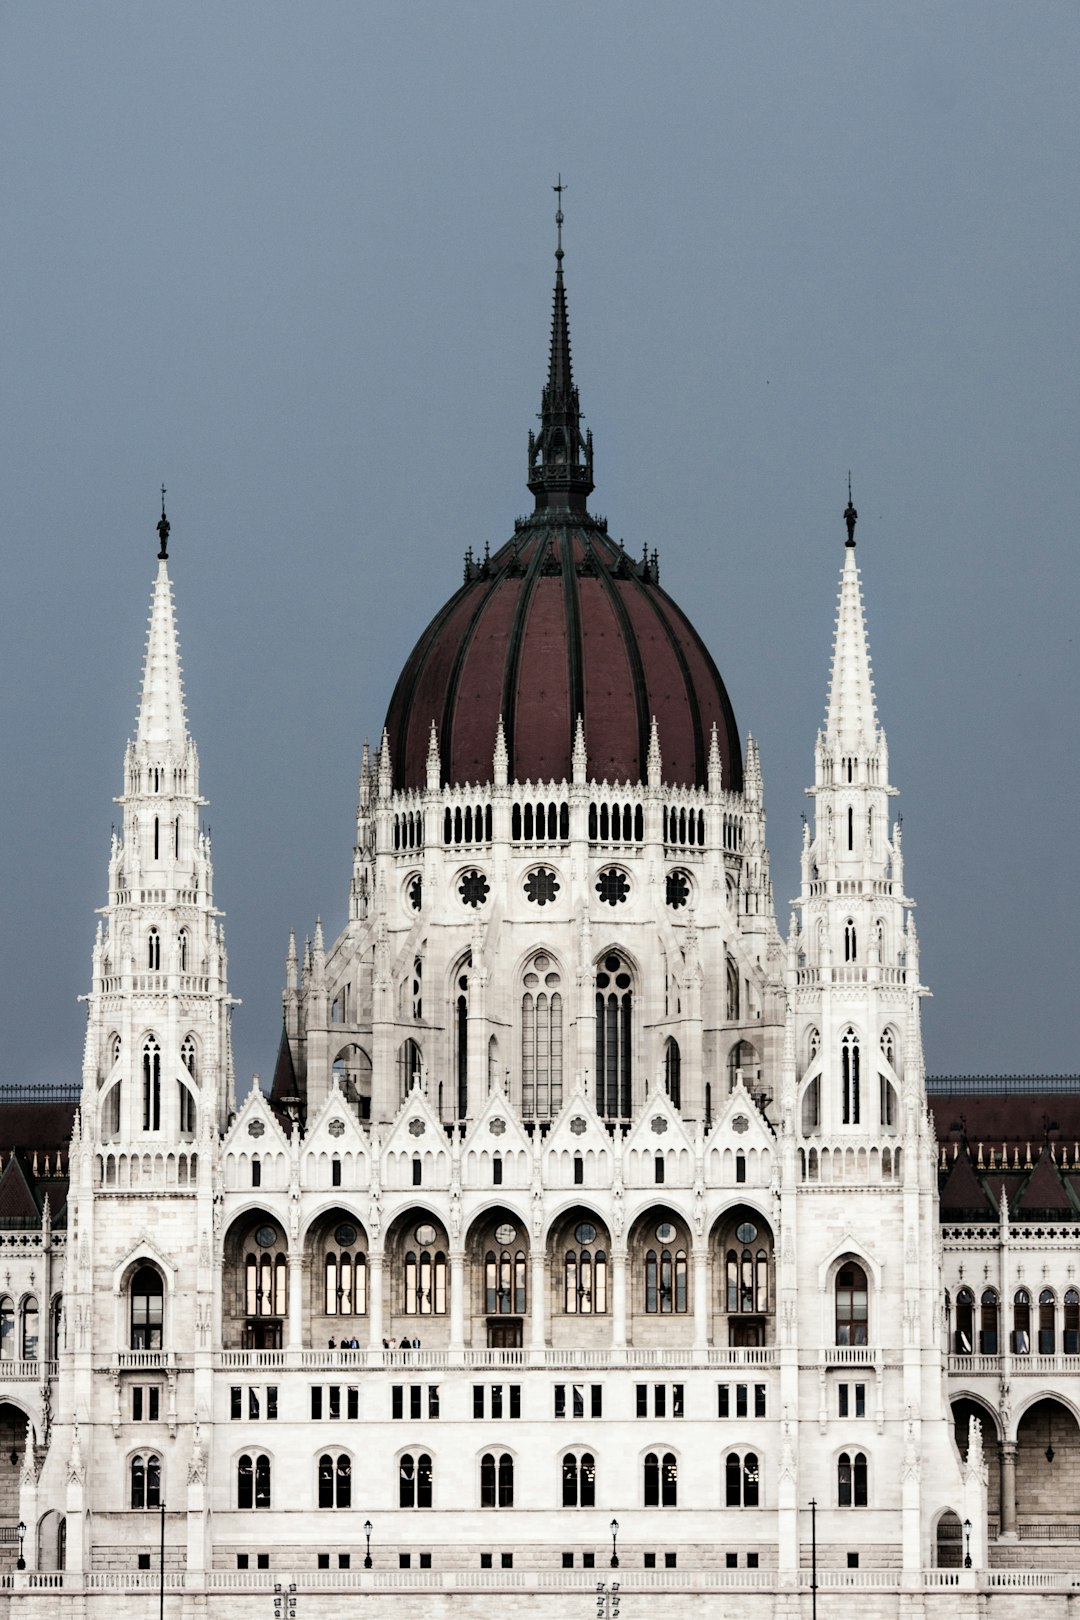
162 719
851 714
654 764
500 765
716 766
560 458
579 759
434 766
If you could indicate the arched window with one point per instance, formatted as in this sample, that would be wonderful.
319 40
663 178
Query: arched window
747 1278
335 1480
732 982
1021 1335
988 1323
266 1280
811 1106
665 1281
849 940
182 950
30 1328
408 1067
147 1308
153 950
7 1329
614 1038
888 1045
151 1067
1046 1322
253 1481
851 1304
345 1283
1071 1334
849 1064
541 1039
425 1282
887 1098
146 1481
188 1055
579 1480
56 1326
673 1072
504 1282
965 1322
742 1480
851 1479
461 1044
661 1479
186 1109
585 1282
496 1480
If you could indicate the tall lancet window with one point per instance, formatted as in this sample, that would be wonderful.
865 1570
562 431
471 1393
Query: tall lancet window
614 1038
151 1067
541 1039
849 1069
461 1039
182 950
850 944
153 950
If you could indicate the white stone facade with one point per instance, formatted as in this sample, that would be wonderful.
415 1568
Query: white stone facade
650 1193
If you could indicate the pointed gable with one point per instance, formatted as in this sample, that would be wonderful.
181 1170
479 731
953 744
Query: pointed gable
17 1202
963 1195
497 1133
1045 1193
659 1134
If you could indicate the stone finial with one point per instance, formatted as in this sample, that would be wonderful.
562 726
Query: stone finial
716 769
654 763
500 764
579 762
385 775
434 764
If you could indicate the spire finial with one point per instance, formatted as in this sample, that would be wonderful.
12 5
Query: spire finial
559 189
850 515
163 530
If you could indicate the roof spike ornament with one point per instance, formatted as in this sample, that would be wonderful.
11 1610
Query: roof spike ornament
560 456
434 765
851 517
715 767
500 764
385 776
654 763
752 783
579 759
364 793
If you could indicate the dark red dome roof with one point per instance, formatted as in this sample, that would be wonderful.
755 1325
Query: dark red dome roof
558 623
561 623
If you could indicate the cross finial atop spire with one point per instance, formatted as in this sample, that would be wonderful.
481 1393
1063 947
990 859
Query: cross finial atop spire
163 530
850 515
559 189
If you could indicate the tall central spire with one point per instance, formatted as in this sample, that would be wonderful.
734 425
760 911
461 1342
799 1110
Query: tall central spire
851 716
560 457
162 721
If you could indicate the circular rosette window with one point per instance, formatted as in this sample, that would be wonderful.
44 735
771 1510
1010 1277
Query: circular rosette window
613 886
474 888
541 886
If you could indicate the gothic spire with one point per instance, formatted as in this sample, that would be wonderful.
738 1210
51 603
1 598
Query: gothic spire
162 720
560 458
851 713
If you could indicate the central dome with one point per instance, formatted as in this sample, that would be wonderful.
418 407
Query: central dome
561 623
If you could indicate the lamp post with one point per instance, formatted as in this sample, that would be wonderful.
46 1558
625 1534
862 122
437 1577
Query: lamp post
22 1537
967 1543
614 1543
367 1532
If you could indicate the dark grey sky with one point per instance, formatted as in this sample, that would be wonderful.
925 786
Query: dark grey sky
296 261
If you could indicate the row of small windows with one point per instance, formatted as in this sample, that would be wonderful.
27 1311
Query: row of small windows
153 950
1029 1316
418 1402
416 1476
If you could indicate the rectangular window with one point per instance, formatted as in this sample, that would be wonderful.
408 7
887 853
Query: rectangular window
598 1400
253 1403
842 1400
416 1397
404 1560
515 1400
485 1560
496 1401
236 1402
759 1400
506 1560
433 1401
316 1400
256 1172
353 1402
669 1560
397 1407
335 1173
588 1560
751 1560
335 1400
649 1560
852 1560
567 1560
144 1560
496 1172
641 1400
344 1560
425 1560
262 1560
723 1401
136 1403
153 1403
579 1400
417 1173
579 1172
659 1400
677 1400
731 1560
271 1403
322 1560
860 1400
241 1560
740 1400
478 1400
560 1401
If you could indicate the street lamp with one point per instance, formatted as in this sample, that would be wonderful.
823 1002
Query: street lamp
614 1543
22 1537
367 1532
967 1543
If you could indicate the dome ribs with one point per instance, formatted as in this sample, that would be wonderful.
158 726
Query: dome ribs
513 652
637 671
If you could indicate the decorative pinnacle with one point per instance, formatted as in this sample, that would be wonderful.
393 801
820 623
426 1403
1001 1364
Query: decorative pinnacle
163 530
850 515
559 189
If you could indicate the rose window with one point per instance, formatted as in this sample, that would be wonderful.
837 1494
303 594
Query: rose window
541 886
678 890
612 886
474 888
